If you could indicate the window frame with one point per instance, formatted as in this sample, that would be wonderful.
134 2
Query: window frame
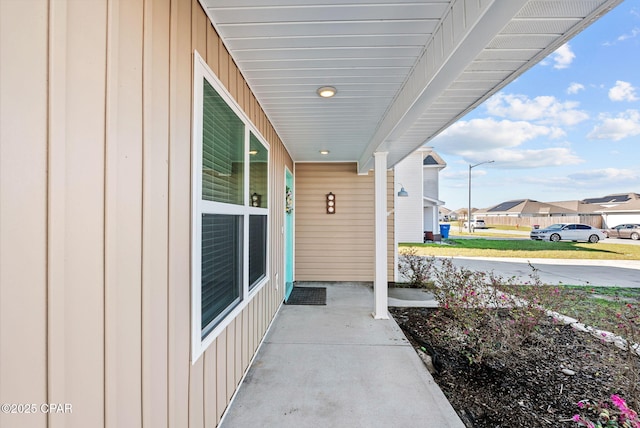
199 206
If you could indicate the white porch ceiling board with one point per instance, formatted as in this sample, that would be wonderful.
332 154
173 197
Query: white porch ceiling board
404 69
540 26
278 54
560 8
287 49
330 41
330 12
266 3
519 54
335 73
326 28
328 63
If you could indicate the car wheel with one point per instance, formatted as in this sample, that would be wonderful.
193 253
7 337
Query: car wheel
554 238
635 236
594 238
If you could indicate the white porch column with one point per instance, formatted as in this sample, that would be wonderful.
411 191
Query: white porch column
380 281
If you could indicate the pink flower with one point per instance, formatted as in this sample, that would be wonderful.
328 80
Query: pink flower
581 406
576 418
618 401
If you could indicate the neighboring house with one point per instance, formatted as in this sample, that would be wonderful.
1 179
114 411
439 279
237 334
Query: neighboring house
445 214
417 213
606 211
462 213
618 209
527 212
167 170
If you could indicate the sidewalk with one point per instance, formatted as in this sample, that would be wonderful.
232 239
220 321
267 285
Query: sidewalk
335 366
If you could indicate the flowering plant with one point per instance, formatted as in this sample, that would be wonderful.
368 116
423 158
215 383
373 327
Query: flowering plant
607 416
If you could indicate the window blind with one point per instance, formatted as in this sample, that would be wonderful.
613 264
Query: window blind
221 266
222 150
257 248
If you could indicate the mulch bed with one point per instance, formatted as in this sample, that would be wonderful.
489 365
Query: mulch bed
528 388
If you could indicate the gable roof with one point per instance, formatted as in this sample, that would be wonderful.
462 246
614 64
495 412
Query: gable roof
506 206
631 205
579 207
526 206
433 159
613 199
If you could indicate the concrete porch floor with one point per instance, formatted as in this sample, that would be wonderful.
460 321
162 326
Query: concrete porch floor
335 366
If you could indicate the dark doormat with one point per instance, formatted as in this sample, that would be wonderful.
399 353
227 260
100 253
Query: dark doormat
308 296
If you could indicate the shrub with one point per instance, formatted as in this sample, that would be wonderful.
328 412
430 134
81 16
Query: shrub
416 269
491 320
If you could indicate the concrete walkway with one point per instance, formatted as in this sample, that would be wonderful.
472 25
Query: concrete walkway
335 366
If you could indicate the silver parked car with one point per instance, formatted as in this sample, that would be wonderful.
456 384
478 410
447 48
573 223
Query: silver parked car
568 232
475 224
624 231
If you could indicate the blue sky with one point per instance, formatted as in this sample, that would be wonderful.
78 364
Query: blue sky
569 128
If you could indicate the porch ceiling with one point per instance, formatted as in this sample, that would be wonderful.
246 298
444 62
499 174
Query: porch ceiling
404 69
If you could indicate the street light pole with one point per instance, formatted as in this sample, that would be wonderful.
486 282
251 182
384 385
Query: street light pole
469 211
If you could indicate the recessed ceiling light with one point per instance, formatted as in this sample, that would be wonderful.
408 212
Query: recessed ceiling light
324 152
326 91
253 152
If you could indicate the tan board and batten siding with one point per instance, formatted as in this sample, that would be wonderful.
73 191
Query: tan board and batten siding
95 182
340 246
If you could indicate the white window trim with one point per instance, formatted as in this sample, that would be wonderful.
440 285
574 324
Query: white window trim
198 206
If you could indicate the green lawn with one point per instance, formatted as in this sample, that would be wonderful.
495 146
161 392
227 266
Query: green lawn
595 306
528 249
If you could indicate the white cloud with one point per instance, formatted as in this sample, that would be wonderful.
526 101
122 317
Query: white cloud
624 125
622 91
606 175
630 35
479 135
563 57
545 109
607 180
574 88
479 140
531 158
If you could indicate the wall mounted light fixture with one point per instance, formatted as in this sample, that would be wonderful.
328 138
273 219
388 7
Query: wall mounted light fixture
331 203
402 193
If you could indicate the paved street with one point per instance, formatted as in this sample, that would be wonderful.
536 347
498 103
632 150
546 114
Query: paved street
621 273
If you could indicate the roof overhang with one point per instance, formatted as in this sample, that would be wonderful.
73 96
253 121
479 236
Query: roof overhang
432 201
404 71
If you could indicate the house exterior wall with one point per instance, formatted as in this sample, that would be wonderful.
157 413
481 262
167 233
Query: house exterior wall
430 219
95 185
409 211
430 181
340 246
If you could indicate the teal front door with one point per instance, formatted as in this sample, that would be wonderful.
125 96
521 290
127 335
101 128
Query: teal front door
288 235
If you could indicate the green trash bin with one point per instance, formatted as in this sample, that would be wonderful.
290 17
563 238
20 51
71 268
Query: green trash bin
444 230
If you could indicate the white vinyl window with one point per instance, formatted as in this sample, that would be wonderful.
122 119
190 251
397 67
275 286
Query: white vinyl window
229 208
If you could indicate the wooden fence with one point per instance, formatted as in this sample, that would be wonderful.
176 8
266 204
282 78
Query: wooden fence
592 220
